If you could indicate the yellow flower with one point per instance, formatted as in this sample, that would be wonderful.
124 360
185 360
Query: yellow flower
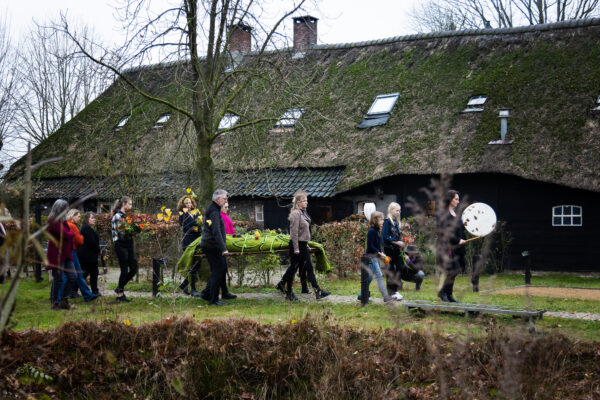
209 222
160 216
272 232
201 219
188 190
194 211
256 233
162 208
127 322
293 321
168 211
195 229
167 218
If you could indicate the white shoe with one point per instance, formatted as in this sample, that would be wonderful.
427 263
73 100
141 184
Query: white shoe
397 296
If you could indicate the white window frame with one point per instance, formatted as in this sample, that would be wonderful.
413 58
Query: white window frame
228 121
289 118
476 103
559 212
597 108
383 100
259 212
162 120
122 122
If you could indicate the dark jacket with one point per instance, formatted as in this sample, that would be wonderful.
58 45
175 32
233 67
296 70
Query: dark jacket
391 233
411 266
213 235
89 250
188 223
450 230
373 242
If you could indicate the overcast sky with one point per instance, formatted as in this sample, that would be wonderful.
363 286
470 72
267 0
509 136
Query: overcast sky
340 21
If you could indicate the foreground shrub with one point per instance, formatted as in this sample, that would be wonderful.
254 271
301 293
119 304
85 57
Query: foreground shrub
182 358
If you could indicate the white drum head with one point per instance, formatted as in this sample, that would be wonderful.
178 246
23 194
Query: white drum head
369 208
479 219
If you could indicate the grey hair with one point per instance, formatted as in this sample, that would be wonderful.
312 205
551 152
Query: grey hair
58 208
218 193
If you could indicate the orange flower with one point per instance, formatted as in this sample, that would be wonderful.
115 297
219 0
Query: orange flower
387 259
142 226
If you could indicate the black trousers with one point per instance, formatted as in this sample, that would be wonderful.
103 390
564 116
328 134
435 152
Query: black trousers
91 270
300 261
127 262
393 273
364 280
218 269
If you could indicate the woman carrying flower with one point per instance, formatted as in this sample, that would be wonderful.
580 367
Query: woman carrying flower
392 246
123 247
188 219
73 217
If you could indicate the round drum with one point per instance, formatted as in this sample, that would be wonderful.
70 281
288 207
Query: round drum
479 219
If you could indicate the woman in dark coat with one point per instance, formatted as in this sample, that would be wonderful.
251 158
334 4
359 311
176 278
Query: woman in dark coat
450 241
188 219
90 249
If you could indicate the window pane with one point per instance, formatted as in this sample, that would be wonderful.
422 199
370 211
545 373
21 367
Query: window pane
576 210
566 220
556 221
383 104
557 210
577 221
477 101
566 210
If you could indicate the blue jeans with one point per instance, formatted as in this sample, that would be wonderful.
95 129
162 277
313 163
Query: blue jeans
76 279
373 270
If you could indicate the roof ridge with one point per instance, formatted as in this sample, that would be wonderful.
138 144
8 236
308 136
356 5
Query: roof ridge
575 23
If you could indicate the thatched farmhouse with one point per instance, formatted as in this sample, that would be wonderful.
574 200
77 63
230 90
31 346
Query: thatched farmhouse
372 121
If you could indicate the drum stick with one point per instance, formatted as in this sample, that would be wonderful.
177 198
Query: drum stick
478 237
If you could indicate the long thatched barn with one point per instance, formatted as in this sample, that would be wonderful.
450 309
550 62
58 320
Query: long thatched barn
512 114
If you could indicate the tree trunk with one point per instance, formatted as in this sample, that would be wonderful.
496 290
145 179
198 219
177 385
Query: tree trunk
205 169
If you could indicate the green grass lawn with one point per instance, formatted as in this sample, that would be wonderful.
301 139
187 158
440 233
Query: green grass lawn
33 308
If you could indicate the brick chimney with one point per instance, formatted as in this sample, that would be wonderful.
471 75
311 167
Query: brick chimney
305 33
240 38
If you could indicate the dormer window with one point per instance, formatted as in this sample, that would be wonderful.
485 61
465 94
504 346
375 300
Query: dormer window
289 118
228 121
122 123
162 120
475 104
597 108
380 110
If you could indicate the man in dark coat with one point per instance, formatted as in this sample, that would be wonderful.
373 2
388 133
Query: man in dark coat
214 245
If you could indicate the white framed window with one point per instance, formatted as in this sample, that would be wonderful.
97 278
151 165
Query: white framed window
567 216
597 108
475 103
228 121
383 104
259 212
289 118
122 122
162 120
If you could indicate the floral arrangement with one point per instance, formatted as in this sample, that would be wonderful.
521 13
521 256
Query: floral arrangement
134 223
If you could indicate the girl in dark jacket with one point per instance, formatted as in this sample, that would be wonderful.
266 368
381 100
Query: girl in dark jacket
450 233
188 219
123 248
392 246
89 250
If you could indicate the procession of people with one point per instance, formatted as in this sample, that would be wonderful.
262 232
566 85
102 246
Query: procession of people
73 256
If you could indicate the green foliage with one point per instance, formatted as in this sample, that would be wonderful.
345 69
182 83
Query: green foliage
29 373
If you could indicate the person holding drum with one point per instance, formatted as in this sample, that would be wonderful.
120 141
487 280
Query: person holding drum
450 241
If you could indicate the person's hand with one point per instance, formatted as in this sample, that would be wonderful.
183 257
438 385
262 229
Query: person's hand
225 253
296 251
382 255
400 243
461 242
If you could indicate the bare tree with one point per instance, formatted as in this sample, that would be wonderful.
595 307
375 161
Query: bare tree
196 35
438 15
54 83
6 85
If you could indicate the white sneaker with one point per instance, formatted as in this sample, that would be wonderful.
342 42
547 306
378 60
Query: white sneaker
397 296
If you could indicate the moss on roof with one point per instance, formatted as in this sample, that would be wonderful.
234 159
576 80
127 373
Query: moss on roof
549 79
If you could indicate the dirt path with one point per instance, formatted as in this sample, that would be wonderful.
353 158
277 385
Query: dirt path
571 293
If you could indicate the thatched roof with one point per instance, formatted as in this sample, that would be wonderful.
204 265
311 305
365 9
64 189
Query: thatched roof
547 75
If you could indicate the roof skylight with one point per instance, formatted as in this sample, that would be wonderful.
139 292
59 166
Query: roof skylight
162 120
476 103
122 122
597 108
228 121
289 118
380 110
